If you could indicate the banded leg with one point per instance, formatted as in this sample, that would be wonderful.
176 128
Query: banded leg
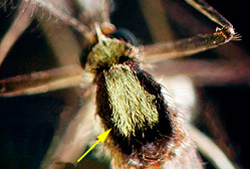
163 51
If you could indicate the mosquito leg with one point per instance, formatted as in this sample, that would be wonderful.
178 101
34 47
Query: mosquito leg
68 46
22 21
160 29
44 81
211 13
64 16
105 11
210 150
68 147
162 51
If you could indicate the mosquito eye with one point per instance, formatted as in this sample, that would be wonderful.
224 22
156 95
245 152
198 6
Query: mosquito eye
125 35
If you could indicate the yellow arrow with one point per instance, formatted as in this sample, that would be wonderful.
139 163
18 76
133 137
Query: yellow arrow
102 137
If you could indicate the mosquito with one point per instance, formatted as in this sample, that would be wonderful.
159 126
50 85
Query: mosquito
150 128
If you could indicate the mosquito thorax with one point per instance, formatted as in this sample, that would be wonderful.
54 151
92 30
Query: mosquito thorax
106 52
113 48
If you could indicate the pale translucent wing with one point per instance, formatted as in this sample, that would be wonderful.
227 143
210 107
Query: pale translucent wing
41 82
182 91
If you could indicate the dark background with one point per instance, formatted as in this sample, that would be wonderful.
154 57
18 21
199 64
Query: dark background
27 123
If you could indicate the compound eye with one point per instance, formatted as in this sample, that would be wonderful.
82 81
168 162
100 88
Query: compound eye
125 35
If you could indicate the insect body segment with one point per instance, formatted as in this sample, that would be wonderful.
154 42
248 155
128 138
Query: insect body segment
107 52
144 129
132 106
